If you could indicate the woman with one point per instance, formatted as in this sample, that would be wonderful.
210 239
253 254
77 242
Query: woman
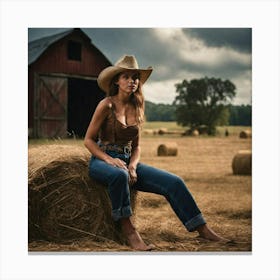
113 140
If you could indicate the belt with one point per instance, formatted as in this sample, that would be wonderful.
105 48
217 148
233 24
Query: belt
123 149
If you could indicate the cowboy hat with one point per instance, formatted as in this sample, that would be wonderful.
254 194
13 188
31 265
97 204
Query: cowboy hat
127 62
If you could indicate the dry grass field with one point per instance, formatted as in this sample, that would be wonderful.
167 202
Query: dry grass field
205 165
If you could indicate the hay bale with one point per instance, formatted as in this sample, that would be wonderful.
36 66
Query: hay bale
162 131
242 163
149 132
64 203
186 132
167 149
245 134
195 132
190 132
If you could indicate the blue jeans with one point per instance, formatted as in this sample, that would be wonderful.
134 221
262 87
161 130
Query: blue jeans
149 179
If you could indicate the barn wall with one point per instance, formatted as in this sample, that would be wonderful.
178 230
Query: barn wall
30 100
54 59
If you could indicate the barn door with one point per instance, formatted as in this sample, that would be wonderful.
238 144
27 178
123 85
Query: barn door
50 106
83 97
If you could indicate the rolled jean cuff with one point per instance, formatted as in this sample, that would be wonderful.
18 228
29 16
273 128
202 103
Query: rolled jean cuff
123 212
196 221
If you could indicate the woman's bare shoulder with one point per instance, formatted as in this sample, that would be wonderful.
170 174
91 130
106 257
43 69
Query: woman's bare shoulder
105 103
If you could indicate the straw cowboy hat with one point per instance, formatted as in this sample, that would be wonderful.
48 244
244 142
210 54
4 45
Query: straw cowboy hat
127 62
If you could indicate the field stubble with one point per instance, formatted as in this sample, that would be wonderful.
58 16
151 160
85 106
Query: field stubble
224 199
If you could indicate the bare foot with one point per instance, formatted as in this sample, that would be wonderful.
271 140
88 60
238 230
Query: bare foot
207 233
136 242
133 237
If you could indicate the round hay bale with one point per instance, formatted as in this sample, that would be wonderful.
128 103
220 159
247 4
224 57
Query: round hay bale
190 132
242 163
195 132
245 134
64 203
186 132
167 149
148 132
162 131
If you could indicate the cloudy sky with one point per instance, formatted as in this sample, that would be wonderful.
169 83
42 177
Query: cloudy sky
177 54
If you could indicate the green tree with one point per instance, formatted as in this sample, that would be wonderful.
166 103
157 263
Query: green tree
159 112
203 102
240 115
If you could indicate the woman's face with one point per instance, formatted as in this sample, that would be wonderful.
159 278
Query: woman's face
128 82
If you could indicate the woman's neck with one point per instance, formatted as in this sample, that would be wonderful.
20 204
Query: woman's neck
122 98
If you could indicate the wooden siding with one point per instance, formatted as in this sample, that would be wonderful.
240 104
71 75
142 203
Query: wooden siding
55 59
50 107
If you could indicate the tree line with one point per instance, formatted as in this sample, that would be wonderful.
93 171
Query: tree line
202 102
238 114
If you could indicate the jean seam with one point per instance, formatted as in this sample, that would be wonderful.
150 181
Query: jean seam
196 221
122 212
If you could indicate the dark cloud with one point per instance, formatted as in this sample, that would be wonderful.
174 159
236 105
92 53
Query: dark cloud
36 33
150 50
140 42
226 69
236 38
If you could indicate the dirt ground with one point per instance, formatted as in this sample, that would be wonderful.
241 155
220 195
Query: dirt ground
224 199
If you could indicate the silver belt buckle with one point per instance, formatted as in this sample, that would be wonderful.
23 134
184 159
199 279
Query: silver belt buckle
126 150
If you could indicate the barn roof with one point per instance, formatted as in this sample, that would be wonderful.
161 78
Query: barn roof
37 47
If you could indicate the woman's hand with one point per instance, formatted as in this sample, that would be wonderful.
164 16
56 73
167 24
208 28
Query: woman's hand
117 163
132 175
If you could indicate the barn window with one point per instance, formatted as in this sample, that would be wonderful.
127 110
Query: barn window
74 50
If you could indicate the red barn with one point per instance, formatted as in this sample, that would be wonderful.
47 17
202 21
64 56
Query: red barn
62 87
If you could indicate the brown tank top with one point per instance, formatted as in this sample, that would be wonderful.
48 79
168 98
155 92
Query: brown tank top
114 132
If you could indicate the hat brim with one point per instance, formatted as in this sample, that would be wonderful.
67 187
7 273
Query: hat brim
105 77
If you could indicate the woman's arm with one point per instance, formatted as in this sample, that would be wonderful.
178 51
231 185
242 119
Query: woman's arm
134 159
91 137
135 152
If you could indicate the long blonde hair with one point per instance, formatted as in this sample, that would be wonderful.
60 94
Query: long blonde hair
136 98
